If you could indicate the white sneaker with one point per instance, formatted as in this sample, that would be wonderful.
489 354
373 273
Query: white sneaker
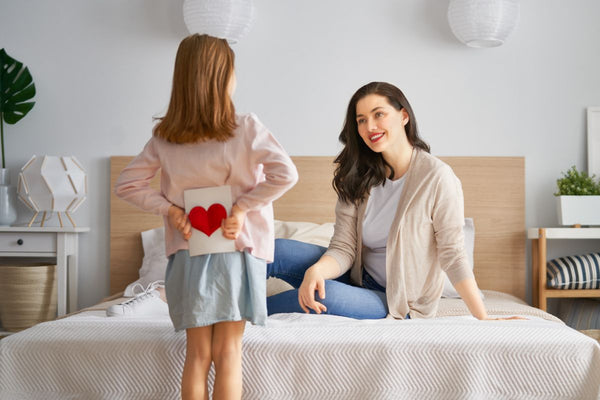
148 302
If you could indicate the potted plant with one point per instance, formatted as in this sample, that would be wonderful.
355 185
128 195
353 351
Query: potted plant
578 198
16 89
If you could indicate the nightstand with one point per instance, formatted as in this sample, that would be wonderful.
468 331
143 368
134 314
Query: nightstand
47 242
539 238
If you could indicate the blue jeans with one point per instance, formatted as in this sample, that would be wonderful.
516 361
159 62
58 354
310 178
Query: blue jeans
293 258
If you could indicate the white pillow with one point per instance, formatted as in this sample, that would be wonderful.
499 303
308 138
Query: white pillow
469 232
309 232
154 264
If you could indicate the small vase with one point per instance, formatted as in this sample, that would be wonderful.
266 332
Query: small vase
8 210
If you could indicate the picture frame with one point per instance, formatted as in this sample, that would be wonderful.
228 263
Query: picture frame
593 140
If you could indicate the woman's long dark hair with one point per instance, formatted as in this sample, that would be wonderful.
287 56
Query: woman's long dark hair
358 167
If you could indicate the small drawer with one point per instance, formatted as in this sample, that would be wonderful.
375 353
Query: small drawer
27 242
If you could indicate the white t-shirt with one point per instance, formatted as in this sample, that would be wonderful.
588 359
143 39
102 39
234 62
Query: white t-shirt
379 215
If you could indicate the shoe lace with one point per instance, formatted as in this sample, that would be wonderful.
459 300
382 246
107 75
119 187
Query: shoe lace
145 292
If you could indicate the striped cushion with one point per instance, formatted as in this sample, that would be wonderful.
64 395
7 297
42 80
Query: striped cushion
574 272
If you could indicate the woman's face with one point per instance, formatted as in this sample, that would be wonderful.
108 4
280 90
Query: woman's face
380 125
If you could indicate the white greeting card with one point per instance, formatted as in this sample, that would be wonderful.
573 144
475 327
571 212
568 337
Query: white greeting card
206 208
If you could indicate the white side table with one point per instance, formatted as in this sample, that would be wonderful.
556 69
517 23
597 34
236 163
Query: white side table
55 242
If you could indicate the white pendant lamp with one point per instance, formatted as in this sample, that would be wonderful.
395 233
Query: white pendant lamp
225 19
483 23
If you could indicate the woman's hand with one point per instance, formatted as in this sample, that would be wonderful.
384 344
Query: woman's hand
468 291
179 220
313 281
504 318
232 225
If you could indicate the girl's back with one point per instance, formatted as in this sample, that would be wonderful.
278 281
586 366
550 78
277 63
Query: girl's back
242 162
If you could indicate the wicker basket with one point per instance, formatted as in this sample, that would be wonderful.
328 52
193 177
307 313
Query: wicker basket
27 295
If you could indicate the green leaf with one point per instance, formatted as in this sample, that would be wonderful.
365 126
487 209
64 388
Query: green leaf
24 94
23 80
17 89
17 111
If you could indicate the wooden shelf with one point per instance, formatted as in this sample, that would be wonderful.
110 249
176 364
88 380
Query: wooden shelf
565 233
572 292
539 238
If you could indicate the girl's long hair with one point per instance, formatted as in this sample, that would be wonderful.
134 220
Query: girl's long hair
358 167
200 108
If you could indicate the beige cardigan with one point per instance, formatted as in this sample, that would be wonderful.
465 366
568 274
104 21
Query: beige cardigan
426 234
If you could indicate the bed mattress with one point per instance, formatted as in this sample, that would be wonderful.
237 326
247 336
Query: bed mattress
297 356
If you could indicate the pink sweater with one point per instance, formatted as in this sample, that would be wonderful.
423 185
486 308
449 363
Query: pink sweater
253 163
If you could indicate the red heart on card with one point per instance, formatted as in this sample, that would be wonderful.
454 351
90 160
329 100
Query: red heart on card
207 221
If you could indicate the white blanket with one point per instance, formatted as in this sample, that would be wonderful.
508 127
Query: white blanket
297 356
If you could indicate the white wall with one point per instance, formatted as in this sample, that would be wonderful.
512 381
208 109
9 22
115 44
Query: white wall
102 70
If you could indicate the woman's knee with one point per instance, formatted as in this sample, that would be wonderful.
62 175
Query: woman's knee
292 257
283 247
351 301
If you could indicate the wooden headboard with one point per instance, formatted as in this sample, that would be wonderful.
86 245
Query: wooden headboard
494 189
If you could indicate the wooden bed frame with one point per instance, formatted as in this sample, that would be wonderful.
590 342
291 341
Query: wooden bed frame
494 190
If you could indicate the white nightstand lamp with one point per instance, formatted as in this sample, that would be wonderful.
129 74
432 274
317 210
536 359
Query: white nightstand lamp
52 184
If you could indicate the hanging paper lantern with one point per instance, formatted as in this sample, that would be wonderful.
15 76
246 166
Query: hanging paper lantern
483 23
225 19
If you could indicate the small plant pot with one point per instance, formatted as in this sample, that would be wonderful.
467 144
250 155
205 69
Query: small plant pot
582 210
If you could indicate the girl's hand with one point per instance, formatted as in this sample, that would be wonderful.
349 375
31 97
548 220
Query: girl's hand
313 281
179 220
232 225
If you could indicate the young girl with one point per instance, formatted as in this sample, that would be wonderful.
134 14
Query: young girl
201 142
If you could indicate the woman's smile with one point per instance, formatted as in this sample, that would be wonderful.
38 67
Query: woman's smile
374 137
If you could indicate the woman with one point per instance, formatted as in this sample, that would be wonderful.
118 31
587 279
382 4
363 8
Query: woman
399 224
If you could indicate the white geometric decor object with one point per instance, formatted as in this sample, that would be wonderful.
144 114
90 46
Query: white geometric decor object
483 23
52 184
225 19
593 141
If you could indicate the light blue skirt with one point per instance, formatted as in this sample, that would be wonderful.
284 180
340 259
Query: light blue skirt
203 290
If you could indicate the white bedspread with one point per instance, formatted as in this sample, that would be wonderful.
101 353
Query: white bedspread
89 356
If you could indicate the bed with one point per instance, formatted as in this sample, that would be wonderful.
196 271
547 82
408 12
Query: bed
297 356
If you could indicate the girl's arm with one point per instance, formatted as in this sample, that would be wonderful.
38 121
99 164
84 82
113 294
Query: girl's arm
133 184
279 170
179 220
232 225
